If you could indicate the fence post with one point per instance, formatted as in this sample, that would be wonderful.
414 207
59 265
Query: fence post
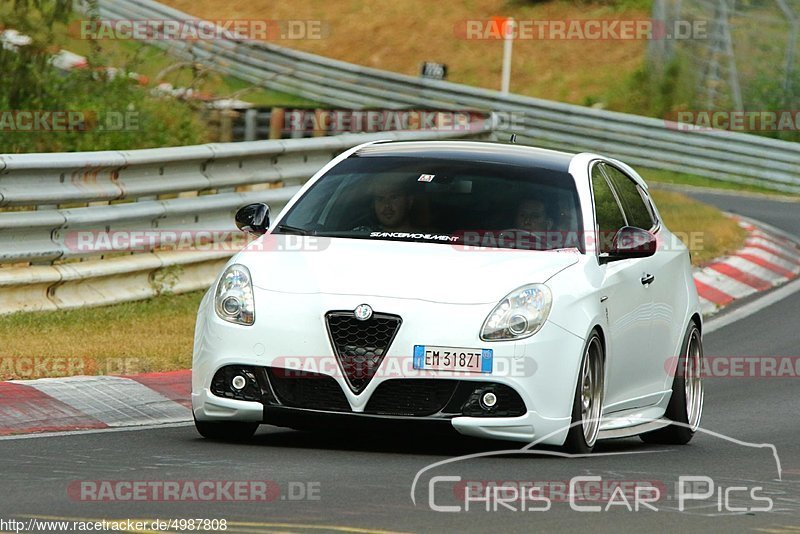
250 124
276 123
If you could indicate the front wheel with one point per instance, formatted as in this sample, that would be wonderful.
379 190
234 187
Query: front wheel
587 406
226 430
686 403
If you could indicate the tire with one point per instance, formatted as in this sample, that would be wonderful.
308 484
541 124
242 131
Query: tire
686 403
232 431
587 405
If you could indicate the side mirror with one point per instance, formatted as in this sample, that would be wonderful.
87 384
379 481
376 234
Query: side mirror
253 218
631 242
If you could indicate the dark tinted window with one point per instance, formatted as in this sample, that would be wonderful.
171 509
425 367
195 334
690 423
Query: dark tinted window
630 196
443 201
607 211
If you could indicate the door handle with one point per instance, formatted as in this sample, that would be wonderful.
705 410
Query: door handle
648 279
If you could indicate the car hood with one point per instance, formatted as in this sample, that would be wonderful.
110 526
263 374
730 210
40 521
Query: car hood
410 270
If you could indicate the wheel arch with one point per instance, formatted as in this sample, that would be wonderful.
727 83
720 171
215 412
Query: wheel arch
599 329
697 320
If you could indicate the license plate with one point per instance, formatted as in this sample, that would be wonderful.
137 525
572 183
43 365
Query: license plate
453 359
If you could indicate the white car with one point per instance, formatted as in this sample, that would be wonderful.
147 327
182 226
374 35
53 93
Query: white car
497 290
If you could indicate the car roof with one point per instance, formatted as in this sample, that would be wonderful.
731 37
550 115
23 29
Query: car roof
471 151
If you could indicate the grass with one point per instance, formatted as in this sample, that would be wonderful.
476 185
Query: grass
151 61
157 334
676 178
707 232
399 36
130 338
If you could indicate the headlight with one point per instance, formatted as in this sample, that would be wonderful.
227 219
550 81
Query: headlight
234 298
519 315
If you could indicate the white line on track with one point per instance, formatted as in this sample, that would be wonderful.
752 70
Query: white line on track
750 308
95 431
764 301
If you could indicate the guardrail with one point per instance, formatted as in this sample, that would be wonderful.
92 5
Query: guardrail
146 195
649 142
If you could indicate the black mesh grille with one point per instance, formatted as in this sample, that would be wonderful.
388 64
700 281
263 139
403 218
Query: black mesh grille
303 389
417 397
447 398
361 345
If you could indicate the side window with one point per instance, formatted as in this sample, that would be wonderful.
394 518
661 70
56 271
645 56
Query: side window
609 216
630 195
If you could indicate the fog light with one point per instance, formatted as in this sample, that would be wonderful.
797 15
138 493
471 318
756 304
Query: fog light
238 382
488 400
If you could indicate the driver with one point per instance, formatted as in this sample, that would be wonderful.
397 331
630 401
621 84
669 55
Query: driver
391 204
532 216
532 225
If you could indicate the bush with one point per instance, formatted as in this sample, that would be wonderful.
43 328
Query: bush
656 94
118 113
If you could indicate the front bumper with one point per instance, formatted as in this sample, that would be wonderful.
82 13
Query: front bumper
525 428
511 428
542 369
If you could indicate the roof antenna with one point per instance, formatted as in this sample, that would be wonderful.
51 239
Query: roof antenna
513 139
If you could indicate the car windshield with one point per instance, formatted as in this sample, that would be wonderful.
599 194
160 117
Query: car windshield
471 203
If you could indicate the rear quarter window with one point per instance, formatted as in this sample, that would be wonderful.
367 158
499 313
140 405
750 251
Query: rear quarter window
632 199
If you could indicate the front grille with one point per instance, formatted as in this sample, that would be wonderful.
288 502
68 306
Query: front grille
304 389
422 397
415 397
411 397
360 346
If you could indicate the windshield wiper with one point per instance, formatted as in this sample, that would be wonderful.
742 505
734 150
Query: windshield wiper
285 228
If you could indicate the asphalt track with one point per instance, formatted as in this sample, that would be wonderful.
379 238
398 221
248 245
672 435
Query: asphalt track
364 480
